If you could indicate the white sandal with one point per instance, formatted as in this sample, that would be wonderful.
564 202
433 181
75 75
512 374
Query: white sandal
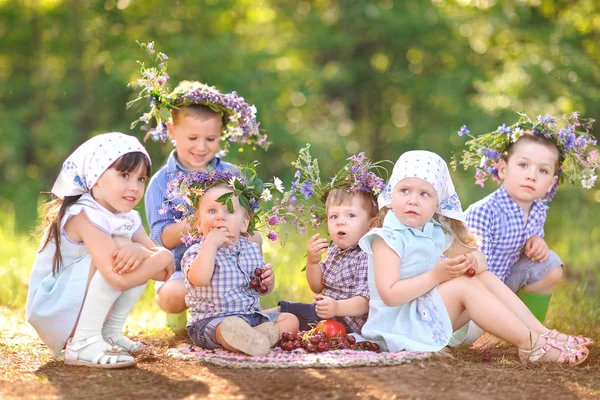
131 347
111 357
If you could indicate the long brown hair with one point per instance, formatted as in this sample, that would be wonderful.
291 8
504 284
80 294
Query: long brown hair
54 211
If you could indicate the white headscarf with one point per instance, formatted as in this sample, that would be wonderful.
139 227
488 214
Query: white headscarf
431 168
87 163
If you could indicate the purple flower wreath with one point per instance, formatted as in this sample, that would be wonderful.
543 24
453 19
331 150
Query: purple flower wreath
239 118
571 134
303 206
186 189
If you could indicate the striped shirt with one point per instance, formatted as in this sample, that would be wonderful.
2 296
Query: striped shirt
345 275
499 223
156 195
229 291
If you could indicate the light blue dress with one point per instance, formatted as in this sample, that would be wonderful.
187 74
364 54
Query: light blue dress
54 302
421 324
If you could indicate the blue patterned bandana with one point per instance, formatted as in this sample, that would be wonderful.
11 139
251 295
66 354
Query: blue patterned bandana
431 168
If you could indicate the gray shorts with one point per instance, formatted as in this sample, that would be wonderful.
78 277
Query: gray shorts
525 271
204 332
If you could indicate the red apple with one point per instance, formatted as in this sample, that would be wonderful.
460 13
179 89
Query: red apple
331 328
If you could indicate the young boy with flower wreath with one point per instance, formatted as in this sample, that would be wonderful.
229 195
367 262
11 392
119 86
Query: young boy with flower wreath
196 118
530 158
348 203
218 270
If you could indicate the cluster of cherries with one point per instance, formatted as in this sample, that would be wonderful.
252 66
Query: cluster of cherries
256 282
318 342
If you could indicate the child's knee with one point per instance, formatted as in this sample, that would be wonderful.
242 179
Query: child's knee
288 322
553 277
171 298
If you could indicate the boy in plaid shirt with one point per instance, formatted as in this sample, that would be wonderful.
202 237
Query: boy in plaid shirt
340 281
510 221
225 309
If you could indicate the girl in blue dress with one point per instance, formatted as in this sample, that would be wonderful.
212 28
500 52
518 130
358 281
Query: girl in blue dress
418 297
95 257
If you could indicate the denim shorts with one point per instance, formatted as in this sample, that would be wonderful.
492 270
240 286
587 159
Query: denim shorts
204 332
526 271
306 314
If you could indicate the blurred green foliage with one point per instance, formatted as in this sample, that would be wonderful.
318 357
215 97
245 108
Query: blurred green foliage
378 76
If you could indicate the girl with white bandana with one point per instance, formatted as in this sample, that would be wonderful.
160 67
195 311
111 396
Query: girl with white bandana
418 298
94 254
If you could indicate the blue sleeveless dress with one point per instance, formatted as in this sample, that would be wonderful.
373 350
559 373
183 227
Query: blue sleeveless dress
421 324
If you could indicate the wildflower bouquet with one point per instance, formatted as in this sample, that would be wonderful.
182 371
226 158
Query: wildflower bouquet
239 118
303 206
577 156
184 192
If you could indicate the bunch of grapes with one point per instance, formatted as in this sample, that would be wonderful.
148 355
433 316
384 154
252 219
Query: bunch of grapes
317 342
256 282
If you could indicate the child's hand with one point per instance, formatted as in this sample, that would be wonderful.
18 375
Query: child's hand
536 249
451 267
326 307
486 341
128 258
220 237
268 277
316 248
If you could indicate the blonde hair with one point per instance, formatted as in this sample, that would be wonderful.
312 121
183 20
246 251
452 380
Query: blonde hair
459 230
342 196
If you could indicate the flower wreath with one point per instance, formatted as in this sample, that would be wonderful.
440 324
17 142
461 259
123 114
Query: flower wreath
303 206
239 118
578 158
186 189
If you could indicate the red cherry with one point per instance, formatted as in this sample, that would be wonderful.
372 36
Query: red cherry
376 347
351 339
486 355
263 289
321 347
311 348
286 336
470 272
258 271
319 298
254 284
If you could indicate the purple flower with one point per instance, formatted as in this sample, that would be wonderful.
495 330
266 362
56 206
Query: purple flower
504 129
273 220
306 189
463 131
272 236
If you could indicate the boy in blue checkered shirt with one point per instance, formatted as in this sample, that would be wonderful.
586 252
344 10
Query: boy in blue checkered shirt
225 310
510 221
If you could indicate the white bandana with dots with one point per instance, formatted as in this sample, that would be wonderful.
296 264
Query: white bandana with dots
87 163
431 168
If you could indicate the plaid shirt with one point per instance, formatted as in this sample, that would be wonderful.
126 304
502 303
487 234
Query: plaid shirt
500 224
345 276
229 291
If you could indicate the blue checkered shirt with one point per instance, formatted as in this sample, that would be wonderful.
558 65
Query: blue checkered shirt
156 195
229 291
345 275
500 225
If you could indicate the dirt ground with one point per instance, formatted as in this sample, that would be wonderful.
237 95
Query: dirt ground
28 371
